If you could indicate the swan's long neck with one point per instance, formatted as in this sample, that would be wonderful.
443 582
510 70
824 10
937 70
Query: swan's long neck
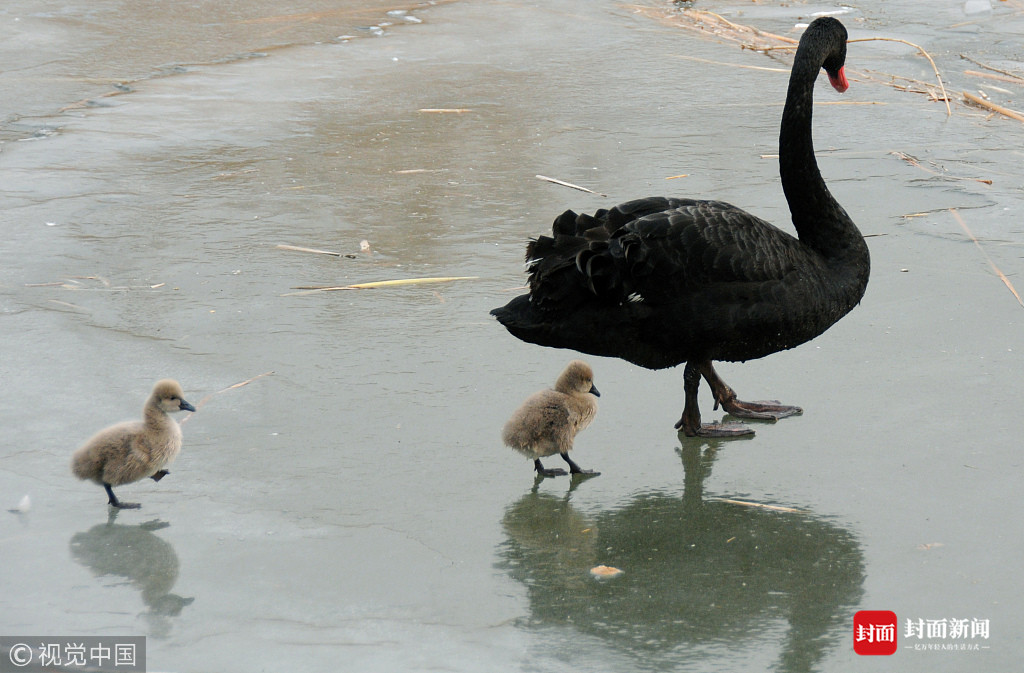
820 221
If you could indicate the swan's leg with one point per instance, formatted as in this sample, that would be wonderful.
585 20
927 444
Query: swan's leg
159 474
576 469
117 503
764 410
545 472
690 422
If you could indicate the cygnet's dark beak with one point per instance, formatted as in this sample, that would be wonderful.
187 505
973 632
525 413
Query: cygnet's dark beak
593 390
185 406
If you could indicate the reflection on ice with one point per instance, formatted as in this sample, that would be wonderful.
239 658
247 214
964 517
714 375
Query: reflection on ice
134 553
699 574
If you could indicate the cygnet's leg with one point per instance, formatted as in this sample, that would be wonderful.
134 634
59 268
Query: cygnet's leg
159 474
545 472
762 410
690 422
576 469
117 503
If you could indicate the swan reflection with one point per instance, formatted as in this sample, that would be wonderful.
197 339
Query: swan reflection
700 574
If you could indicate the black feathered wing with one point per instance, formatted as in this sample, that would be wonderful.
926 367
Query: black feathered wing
660 281
656 250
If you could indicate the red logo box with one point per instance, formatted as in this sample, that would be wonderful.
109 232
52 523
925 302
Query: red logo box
874 632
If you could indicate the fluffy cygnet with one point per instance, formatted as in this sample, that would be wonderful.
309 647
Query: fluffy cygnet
548 421
134 450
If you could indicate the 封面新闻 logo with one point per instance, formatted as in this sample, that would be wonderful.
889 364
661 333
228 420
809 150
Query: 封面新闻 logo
874 632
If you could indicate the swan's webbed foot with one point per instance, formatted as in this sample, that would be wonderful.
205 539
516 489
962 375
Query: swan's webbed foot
762 410
548 472
690 424
114 502
159 474
723 429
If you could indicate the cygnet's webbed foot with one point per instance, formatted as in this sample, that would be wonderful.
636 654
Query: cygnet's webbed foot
114 502
575 469
761 410
159 474
548 472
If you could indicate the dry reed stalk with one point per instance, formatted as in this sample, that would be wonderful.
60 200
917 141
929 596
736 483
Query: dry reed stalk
999 78
314 17
921 50
709 23
65 304
297 248
732 65
914 162
304 290
568 184
849 102
1008 73
1002 276
199 405
746 503
981 102
923 87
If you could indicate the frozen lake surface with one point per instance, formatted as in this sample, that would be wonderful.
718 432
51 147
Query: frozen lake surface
351 508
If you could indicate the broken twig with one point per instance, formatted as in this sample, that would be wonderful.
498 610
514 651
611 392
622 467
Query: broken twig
568 184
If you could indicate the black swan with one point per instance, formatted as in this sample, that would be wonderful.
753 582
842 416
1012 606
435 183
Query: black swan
662 281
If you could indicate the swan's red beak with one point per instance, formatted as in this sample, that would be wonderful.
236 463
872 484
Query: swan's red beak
838 81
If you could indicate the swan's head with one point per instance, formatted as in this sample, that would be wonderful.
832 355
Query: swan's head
169 396
578 377
831 37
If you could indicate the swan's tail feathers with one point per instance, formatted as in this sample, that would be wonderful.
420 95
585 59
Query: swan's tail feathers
524 321
565 224
517 317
